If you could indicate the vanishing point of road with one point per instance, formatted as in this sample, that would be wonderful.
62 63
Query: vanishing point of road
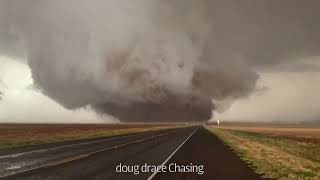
99 158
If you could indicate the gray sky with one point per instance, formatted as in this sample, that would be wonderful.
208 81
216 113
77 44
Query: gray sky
159 60
288 97
22 103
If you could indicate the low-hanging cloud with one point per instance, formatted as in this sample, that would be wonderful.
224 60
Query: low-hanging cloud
155 60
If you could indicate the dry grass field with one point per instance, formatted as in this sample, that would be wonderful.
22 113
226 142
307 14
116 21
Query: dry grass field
280 153
302 134
18 135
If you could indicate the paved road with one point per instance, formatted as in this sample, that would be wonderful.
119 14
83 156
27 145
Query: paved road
99 159
220 163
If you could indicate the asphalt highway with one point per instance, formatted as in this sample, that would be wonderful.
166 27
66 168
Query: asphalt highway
220 163
137 156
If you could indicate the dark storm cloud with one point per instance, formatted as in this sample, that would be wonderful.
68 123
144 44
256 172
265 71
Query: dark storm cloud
156 60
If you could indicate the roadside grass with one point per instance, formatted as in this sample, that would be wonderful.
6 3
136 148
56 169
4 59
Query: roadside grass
275 157
40 139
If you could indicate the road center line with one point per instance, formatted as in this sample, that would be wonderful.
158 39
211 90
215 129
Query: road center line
7 174
164 162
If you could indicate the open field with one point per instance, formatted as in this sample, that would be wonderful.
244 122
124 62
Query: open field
281 153
303 134
19 135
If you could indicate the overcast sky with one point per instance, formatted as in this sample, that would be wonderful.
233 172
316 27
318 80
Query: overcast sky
104 61
23 103
284 96
287 97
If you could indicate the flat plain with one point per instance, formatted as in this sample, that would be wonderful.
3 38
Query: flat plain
25 135
277 152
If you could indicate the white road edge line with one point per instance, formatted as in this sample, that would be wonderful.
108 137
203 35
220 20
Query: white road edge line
67 160
107 139
164 162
